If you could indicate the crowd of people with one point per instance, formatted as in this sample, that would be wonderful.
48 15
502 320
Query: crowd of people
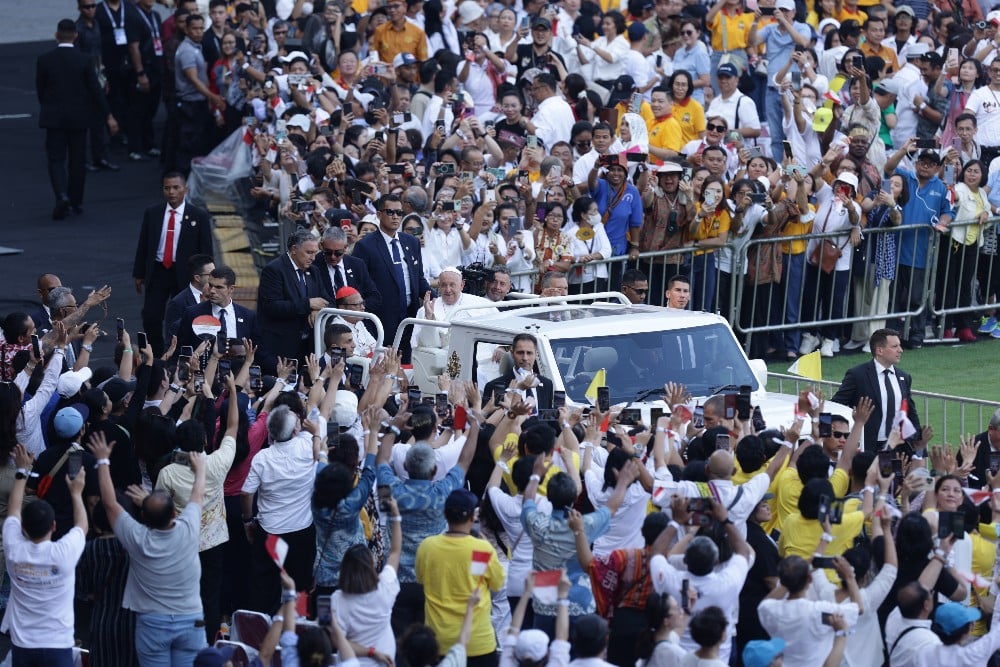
834 157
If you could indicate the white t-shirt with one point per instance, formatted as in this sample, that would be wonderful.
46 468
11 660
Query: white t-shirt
831 216
365 618
985 104
626 525
799 622
508 510
42 585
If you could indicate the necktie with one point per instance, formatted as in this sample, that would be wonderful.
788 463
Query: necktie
397 269
338 276
890 402
168 245
224 329
302 282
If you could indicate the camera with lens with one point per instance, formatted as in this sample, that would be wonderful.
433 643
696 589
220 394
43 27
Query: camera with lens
476 276
672 223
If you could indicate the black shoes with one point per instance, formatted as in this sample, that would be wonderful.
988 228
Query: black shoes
61 209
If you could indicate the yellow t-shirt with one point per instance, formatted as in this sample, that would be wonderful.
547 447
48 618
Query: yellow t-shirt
666 133
444 566
690 115
556 466
883 52
790 488
845 14
984 553
711 226
740 477
796 228
800 536
736 27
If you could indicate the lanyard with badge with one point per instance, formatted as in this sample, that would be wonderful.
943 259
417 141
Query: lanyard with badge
119 27
154 29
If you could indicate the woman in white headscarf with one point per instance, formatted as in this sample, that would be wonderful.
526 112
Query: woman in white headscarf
634 137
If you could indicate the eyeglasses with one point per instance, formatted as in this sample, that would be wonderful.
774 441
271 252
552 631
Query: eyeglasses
356 304
840 434
715 128
582 144
509 198
280 32
414 231
394 212
688 32
334 253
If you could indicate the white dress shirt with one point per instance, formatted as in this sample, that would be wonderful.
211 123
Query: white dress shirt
229 312
284 474
553 121
896 389
338 268
799 622
404 258
923 648
178 218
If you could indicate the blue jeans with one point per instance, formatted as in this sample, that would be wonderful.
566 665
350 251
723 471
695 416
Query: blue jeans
165 640
793 267
703 282
41 657
775 116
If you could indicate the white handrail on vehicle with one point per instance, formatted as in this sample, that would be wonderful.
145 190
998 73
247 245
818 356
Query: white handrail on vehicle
328 313
520 303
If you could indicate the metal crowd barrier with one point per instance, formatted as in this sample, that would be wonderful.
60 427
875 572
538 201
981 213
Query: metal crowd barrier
852 304
951 416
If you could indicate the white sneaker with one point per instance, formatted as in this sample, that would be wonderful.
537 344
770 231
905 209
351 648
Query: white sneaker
836 345
854 344
809 343
826 350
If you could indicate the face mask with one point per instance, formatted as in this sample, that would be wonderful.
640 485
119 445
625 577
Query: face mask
594 218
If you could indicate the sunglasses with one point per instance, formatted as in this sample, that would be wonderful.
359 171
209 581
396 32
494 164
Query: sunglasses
840 434
715 128
638 290
334 253
688 32
94 6
394 212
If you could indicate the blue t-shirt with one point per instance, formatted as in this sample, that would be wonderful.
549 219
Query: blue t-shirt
780 46
696 62
923 210
626 213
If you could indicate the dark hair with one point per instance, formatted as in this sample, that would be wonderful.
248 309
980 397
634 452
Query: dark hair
793 573
652 526
708 626
197 263
333 484
881 336
982 172
522 471
191 436
860 559
617 458
860 465
357 571
419 645
657 611
561 491
813 464
678 74
37 519
810 497
913 538
631 276
750 453
14 326
314 647
333 331
911 599
589 636
537 439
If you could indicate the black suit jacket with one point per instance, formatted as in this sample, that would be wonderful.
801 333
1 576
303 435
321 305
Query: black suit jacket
861 381
500 384
68 90
357 277
41 319
394 306
195 237
282 309
246 323
175 311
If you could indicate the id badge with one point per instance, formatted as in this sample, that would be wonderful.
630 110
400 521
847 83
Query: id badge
120 39
157 46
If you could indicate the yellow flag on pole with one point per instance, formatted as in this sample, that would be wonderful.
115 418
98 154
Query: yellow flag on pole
808 366
600 380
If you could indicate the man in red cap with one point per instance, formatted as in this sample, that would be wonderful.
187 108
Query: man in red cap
349 298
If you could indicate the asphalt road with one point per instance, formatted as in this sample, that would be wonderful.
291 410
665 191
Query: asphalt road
85 251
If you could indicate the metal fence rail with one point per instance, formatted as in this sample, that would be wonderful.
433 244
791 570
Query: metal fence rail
846 304
950 416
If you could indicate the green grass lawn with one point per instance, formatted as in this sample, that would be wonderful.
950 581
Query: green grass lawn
971 371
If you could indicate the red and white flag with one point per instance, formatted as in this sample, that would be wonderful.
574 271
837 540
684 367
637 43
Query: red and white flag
277 549
660 496
480 559
903 423
546 588
978 496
